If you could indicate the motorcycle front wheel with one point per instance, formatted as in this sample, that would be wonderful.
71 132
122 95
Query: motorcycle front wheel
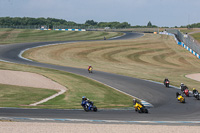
86 109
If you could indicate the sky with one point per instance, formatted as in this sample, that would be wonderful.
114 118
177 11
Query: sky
136 12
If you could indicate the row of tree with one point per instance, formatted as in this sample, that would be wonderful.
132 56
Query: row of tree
107 24
195 25
33 21
50 22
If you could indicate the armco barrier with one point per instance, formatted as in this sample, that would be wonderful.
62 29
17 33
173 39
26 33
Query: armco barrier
181 43
70 29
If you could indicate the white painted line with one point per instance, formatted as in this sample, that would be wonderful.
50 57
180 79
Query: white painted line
21 53
142 101
6 61
48 98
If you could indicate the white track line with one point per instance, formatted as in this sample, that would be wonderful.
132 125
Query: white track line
142 101
49 98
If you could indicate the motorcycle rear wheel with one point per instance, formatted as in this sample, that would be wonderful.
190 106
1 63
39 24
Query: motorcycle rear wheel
183 101
197 97
145 111
95 109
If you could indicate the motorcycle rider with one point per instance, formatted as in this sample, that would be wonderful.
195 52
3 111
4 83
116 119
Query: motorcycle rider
134 101
194 91
165 80
137 103
90 67
183 87
84 100
177 94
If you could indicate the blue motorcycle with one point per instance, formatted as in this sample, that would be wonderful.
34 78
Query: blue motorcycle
88 105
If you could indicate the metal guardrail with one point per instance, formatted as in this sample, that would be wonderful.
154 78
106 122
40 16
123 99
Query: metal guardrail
186 39
140 30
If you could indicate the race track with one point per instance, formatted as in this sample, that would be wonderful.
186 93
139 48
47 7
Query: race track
166 107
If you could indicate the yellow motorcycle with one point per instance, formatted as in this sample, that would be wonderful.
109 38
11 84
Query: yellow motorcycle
140 108
90 70
180 97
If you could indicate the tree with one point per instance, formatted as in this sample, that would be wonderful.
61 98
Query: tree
149 24
91 22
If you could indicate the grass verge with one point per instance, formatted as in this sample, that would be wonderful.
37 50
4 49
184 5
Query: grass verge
151 57
8 36
17 96
78 86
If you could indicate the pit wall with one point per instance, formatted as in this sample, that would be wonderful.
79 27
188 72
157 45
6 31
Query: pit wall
181 44
66 29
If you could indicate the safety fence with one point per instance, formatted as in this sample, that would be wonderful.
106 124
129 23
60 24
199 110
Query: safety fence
184 40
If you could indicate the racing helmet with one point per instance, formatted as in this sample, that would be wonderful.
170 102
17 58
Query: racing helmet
134 100
84 98
194 88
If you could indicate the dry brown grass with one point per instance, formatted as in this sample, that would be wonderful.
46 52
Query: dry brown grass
151 57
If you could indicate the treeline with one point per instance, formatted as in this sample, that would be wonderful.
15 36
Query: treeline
8 21
50 22
195 25
107 24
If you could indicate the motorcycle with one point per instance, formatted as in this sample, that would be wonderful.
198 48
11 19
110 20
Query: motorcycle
90 70
89 105
186 92
196 95
180 98
140 108
166 84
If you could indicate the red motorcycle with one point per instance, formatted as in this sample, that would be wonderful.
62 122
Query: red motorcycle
186 92
167 84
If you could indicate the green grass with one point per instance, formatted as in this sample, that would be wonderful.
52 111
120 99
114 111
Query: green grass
17 96
196 36
103 96
78 86
8 36
151 57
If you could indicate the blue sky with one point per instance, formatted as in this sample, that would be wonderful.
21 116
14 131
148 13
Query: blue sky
135 12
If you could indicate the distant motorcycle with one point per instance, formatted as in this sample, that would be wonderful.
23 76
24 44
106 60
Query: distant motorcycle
90 70
196 95
186 92
184 89
180 97
166 84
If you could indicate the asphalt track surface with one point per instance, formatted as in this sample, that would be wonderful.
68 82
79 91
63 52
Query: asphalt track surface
166 107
